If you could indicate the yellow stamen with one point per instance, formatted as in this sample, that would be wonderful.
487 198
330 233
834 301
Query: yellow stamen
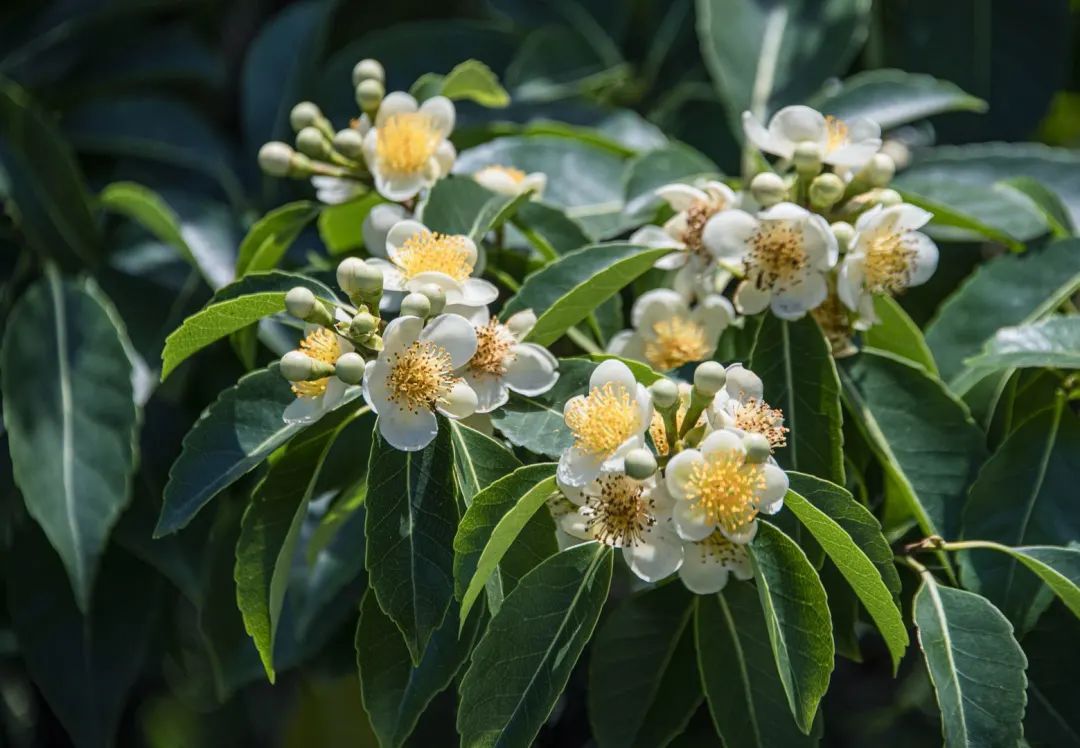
603 420
777 256
493 345
697 215
757 417
836 133
406 142
431 252
621 514
517 176
834 319
322 345
726 488
889 261
420 376
676 341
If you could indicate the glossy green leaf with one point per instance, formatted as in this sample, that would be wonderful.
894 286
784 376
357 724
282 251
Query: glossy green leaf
149 210
272 235
564 292
643 373
522 663
894 97
975 664
536 422
498 516
479 460
459 205
1047 202
1053 657
1053 343
474 81
1058 567
411 517
797 618
642 689
744 693
796 366
896 333
232 308
851 537
340 225
674 162
549 229
70 418
923 437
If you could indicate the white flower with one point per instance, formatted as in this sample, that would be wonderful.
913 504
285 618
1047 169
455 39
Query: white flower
715 488
606 423
786 252
336 190
413 377
317 397
706 563
887 255
668 334
503 363
506 180
739 407
407 149
419 256
377 224
847 144
621 512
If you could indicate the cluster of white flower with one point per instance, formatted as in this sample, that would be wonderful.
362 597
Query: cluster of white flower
676 477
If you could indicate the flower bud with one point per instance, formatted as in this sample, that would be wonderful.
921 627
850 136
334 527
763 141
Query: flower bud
416 305
888 198
300 302
757 447
297 366
825 190
305 114
275 158
898 151
362 325
368 69
665 393
709 378
768 189
879 171
844 233
640 464
369 94
807 158
436 297
313 143
350 368
349 143
357 278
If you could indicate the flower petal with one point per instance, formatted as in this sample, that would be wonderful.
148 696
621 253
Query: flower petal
455 335
722 443
926 257
681 196
771 498
491 391
442 112
690 522
654 236
615 372
377 224
749 299
700 572
762 139
657 556
743 384
395 102
678 472
627 344
400 334
533 371
303 410
401 232
743 535
726 234
478 292
798 124
577 468
461 401
407 430
655 306
793 303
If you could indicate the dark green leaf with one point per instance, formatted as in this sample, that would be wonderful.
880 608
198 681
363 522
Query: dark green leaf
1052 718
550 226
1046 202
674 162
896 333
474 81
272 235
459 205
340 225
894 97
536 422
1052 343
479 460
149 210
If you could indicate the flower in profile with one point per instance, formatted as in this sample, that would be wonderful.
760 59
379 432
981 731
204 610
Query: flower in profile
668 333
418 256
607 422
506 180
316 397
739 407
502 363
413 378
785 251
847 144
887 255
716 487
377 224
634 515
407 148
708 562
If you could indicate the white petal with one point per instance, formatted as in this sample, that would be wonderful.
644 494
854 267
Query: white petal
496 180
722 443
762 139
615 372
444 158
377 224
376 391
908 217
406 430
743 384
455 335
491 391
575 494
478 292
393 280
727 233
461 401
798 124
853 155
441 110
771 498
399 187
714 314
658 556
401 232
450 287
654 236
743 535
863 128
672 260
334 190
784 212
645 408
577 468
520 324
335 393
478 316
749 299
656 306
794 302
533 371
575 525
720 193
819 243
849 281
395 102
680 196
926 257
701 573
678 471
690 522
400 334
628 344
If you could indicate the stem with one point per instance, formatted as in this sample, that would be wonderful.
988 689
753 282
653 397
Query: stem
583 341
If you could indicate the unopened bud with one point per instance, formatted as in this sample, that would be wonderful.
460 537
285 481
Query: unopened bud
757 447
350 368
362 325
640 464
889 198
358 279
435 295
276 158
807 158
709 378
369 94
825 190
313 143
368 69
349 143
297 366
844 233
665 393
416 305
768 189
301 303
305 114
879 171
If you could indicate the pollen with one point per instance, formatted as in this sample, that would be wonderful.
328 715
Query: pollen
777 257
676 341
755 416
603 420
833 319
697 215
322 345
889 262
836 134
406 142
621 514
494 344
420 376
516 175
432 252
725 488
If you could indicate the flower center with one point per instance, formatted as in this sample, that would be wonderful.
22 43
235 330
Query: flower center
432 252
757 417
603 420
516 175
420 376
717 549
836 133
889 262
777 256
322 345
406 142
621 514
676 341
835 321
725 487
494 344
697 215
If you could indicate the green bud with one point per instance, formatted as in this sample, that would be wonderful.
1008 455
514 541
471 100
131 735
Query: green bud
844 233
349 143
350 368
358 279
665 393
807 159
825 190
416 305
369 94
313 143
768 189
300 302
709 378
368 69
757 447
879 171
362 325
436 296
297 366
640 464
888 198
305 114
276 158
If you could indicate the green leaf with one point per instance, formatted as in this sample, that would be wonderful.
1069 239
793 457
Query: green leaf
270 529
83 664
896 333
642 689
536 423
643 373
395 693
498 515
340 225
923 437
1052 718
851 537
1052 343
763 55
411 517
524 660
975 664
474 81
232 308
795 364
564 292
745 696
1047 202
71 420
479 460
894 97
797 619
272 235
549 227
674 162
149 210
459 205
1058 567
1019 507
